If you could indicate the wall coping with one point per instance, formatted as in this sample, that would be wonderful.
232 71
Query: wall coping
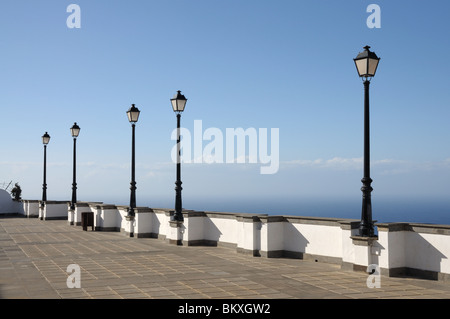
165 211
350 224
193 213
363 241
272 219
140 210
103 206
415 227
249 218
56 202
230 215
329 221
225 215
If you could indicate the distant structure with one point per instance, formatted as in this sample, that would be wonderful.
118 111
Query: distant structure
5 185
10 205
16 192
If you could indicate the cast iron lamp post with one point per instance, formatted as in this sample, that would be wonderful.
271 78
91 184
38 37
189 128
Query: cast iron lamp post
45 141
178 105
75 130
366 64
133 116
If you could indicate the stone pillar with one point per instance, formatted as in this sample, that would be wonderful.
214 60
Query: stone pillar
363 252
129 226
176 232
33 208
79 208
249 235
272 236
392 238
70 215
193 232
349 228
143 222
41 210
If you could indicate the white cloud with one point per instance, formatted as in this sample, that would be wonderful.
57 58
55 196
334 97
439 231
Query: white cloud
384 166
335 162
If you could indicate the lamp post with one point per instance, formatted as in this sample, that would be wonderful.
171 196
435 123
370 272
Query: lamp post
133 116
178 105
75 130
45 141
366 64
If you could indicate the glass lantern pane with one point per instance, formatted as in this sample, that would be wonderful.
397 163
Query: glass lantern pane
361 65
45 139
174 105
373 63
75 130
181 105
133 116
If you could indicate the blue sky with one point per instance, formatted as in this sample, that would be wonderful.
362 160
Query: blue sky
241 63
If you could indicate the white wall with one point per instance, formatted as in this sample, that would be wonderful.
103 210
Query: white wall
31 208
428 252
313 239
221 227
55 210
8 206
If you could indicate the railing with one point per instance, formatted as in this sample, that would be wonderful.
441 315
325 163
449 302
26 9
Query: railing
8 187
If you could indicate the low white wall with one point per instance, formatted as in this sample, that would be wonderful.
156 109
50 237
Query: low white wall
195 229
411 248
160 223
107 217
75 219
220 227
122 222
144 220
272 236
436 248
313 236
30 208
53 210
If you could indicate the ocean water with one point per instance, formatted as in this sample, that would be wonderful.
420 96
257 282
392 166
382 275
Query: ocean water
384 209
415 210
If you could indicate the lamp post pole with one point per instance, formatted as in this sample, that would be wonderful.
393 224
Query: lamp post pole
45 141
366 64
133 116
178 105
178 202
366 227
133 173
44 185
75 129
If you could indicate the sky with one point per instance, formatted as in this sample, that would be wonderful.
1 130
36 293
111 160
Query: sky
251 64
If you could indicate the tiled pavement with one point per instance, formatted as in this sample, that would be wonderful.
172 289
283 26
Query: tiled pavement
34 256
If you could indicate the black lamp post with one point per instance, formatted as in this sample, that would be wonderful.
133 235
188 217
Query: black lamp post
75 130
133 116
178 105
366 64
45 141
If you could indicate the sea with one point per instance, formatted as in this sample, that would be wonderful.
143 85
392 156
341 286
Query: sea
412 209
